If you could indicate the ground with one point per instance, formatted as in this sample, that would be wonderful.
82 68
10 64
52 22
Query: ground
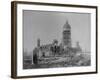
59 61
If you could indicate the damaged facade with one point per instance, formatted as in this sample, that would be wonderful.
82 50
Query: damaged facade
63 48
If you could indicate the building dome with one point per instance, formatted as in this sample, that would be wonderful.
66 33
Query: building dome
66 26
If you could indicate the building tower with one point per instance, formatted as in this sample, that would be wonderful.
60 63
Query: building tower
66 35
38 42
78 47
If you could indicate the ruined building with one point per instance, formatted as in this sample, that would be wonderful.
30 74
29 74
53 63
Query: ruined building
58 48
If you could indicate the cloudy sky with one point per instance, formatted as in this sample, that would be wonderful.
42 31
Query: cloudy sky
49 26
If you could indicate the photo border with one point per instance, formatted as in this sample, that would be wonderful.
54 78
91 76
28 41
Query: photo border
14 37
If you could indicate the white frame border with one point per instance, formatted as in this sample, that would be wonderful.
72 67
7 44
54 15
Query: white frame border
31 72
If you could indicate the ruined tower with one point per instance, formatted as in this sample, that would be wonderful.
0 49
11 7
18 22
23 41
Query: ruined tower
38 42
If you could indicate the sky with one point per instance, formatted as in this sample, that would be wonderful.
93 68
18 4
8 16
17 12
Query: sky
48 26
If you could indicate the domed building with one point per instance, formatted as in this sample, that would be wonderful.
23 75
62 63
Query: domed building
56 50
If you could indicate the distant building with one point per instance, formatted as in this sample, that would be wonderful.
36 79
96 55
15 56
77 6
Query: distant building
79 49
